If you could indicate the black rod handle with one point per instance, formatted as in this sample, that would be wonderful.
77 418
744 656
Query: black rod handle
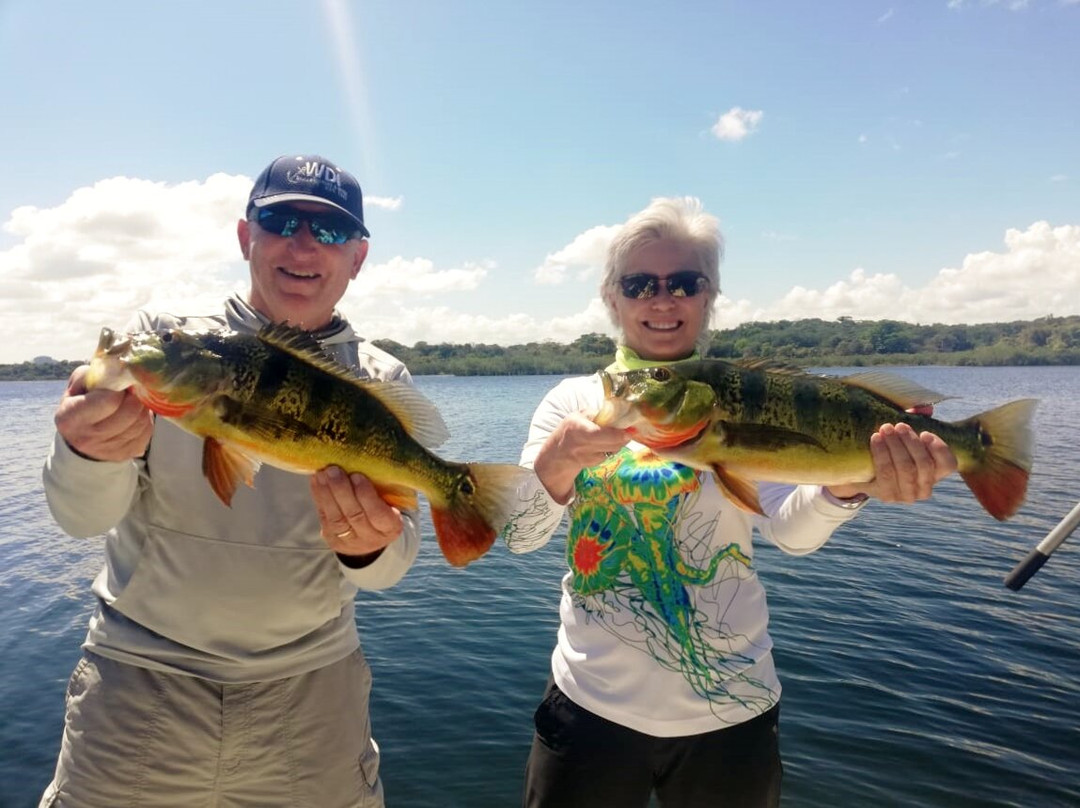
1038 556
1025 569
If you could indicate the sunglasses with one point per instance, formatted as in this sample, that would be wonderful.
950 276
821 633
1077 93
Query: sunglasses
326 228
644 285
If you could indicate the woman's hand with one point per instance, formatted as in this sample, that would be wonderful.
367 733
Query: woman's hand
907 466
576 443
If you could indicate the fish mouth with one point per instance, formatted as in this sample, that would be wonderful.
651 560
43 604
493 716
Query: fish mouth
613 390
608 383
109 343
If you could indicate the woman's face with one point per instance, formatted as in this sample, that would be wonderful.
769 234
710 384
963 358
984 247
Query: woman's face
663 326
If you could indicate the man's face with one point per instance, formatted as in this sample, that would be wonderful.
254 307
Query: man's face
297 279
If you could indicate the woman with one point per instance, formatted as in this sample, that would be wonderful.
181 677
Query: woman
662 677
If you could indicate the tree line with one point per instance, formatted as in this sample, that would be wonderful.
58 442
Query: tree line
844 342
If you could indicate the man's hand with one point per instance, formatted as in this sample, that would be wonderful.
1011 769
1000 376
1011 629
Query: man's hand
102 424
355 520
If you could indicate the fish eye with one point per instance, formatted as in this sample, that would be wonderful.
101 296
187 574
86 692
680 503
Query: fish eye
662 374
167 336
467 487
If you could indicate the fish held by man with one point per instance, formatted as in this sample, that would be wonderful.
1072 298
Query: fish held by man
276 398
750 422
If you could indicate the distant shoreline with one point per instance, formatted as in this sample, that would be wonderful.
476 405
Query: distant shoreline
844 342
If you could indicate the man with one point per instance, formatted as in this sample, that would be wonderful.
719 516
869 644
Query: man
222 665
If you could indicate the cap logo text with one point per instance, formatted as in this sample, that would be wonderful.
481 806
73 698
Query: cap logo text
313 173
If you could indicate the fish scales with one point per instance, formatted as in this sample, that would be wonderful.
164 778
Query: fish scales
751 422
276 398
318 412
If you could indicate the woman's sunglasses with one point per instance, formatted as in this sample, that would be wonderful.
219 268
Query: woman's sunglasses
326 228
643 285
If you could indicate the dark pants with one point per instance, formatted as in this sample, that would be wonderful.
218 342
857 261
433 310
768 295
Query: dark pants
581 759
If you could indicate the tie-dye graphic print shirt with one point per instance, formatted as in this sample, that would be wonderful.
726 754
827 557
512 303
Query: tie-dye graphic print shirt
664 622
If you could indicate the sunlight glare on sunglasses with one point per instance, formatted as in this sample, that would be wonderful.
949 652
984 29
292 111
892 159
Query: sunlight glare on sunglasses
326 227
645 285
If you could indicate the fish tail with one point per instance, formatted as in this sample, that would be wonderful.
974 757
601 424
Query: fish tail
999 476
472 516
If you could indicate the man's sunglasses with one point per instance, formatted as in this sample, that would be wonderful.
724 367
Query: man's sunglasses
644 285
326 227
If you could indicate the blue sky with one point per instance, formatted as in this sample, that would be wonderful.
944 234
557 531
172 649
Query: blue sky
917 161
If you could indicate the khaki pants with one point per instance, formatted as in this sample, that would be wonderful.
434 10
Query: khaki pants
136 737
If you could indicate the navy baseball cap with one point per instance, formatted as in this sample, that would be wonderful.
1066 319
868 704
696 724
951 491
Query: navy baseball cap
309 179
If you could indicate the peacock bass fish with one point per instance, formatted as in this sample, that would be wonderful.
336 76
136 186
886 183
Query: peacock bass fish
275 397
761 421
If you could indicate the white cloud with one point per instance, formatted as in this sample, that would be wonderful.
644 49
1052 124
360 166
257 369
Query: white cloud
111 248
886 16
1037 274
123 244
586 252
408 324
737 123
411 277
385 202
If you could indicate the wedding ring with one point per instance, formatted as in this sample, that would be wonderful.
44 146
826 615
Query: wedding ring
343 533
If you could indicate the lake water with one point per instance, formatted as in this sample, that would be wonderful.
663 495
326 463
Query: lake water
912 677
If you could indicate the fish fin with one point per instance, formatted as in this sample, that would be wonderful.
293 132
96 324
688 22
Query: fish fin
399 496
770 365
897 390
303 345
468 521
999 481
160 404
742 492
225 467
659 437
416 413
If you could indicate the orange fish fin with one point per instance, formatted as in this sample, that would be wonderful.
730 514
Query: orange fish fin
225 467
902 392
161 404
742 492
400 497
658 437
467 523
999 480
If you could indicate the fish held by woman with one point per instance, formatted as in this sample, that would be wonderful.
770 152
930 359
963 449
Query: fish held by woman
760 421
275 397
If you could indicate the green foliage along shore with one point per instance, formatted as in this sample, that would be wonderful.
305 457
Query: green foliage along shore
811 343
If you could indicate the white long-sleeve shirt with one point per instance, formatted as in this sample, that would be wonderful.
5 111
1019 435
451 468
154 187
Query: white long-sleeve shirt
664 623
244 593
